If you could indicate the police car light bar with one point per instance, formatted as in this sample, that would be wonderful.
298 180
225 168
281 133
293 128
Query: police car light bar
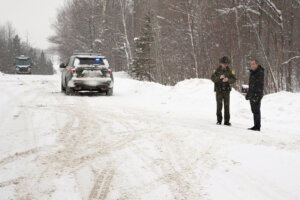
87 54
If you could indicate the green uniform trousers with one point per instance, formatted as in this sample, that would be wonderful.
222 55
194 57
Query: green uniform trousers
223 96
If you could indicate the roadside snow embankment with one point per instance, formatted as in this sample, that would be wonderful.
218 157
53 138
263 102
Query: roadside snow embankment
196 97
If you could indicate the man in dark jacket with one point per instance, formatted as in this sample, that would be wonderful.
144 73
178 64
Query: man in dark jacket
256 92
223 77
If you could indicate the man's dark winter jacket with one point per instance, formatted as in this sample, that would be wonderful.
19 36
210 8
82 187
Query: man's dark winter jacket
256 83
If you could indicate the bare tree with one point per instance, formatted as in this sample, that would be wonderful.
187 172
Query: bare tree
188 36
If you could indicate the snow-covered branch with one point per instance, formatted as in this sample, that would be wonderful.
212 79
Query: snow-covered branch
290 60
226 11
276 11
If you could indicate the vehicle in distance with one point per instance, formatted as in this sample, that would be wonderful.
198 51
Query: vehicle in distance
244 89
87 72
23 65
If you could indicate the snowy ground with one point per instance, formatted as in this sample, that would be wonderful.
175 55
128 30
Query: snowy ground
147 142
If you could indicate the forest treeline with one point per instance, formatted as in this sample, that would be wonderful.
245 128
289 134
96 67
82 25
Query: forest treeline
12 46
167 41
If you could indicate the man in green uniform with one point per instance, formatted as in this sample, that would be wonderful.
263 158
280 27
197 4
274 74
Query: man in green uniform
223 77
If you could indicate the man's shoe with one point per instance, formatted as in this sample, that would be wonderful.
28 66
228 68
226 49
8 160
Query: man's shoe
254 129
219 123
227 124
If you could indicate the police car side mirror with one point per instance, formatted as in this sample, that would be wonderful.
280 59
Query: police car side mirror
62 65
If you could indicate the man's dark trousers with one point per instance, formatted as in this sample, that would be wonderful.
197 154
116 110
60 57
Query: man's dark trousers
223 96
255 107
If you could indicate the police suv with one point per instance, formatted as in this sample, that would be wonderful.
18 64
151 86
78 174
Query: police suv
87 72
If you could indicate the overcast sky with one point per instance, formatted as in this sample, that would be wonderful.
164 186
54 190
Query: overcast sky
32 18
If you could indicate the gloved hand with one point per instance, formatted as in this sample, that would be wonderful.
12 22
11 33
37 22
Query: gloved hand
225 80
256 99
247 97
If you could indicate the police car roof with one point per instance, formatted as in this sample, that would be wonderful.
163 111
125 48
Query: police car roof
88 55
22 58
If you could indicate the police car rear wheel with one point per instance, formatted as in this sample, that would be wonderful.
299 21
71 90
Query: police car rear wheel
110 92
62 88
69 91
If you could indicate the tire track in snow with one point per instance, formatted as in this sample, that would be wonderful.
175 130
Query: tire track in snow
11 182
102 184
72 139
172 171
166 172
18 155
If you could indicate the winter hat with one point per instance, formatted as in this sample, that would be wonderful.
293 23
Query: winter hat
224 60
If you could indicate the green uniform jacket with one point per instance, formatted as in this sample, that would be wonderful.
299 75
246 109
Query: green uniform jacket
219 84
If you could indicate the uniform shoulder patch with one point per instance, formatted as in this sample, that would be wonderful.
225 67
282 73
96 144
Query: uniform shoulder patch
233 72
214 71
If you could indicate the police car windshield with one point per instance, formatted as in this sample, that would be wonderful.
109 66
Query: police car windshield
22 62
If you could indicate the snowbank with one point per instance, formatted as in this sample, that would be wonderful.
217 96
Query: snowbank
196 97
253 172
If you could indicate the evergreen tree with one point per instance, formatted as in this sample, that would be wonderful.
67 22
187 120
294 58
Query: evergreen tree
144 63
16 48
33 55
50 69
3 49
41 64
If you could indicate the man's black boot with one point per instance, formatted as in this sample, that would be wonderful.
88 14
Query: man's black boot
254 129
227 124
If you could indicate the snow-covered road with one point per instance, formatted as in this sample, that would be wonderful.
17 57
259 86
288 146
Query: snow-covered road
148 141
